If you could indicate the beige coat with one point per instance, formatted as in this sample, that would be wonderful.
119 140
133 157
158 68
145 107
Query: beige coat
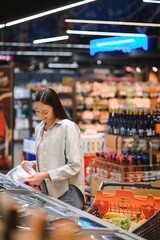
63 156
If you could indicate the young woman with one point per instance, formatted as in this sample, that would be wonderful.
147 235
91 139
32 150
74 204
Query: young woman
59 153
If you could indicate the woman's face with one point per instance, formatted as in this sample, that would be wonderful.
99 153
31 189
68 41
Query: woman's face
45 112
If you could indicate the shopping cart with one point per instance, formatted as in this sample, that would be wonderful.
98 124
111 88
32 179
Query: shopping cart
150 230
124 201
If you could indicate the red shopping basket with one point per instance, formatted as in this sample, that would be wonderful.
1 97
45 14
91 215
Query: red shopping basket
124 201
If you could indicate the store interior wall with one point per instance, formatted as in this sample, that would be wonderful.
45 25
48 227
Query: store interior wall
30 67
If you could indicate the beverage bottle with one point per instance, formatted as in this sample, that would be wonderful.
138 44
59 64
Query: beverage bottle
152 122
149 124
3 140
140 127
157 123
145 123
128 123
110 122
122 123
133 123
116 123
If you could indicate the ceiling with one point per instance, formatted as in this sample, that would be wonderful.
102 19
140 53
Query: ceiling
19 9
54 25
114 10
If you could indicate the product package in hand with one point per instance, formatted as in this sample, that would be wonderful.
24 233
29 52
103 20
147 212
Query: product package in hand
19 174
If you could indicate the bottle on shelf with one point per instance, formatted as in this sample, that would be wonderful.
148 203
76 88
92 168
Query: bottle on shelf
140 129
110 121
134 122
151 127
157 123
144 117
128 123
116 122
139 122
122 122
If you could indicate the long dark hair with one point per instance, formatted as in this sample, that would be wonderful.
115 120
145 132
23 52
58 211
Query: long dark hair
49 97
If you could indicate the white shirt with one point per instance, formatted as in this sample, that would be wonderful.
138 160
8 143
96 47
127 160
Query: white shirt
61 155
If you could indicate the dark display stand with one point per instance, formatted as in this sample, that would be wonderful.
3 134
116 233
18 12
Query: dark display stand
6 117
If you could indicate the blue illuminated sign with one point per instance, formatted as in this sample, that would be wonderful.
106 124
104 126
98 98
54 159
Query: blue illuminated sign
125 44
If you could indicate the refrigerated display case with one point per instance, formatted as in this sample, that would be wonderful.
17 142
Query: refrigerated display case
29 199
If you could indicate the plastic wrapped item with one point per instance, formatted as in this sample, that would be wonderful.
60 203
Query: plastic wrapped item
19 175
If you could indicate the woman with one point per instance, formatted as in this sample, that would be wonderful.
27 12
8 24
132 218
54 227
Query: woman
59 153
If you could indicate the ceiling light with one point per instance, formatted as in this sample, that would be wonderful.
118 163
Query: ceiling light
63 65
52 39
155 69
113 22
56 59
59 9
99 62
151 1
37 53
103 33
44 53
18 44
138 69
2 25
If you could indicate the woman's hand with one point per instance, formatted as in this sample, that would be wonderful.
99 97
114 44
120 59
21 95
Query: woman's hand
37 178
28 162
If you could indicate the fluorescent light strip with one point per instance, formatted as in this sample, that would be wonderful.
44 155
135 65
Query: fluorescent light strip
17 44
113 22
151 1
52 39
45 53
37 53
63 65
103 33
2 25
25 19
